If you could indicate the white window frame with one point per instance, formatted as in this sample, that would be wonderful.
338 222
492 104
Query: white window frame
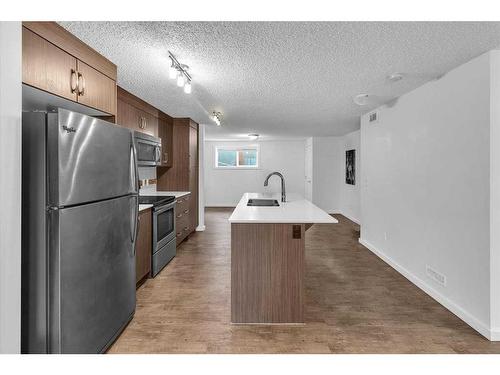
236 148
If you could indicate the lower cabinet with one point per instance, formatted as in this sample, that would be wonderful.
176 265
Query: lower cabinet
144 245
183 218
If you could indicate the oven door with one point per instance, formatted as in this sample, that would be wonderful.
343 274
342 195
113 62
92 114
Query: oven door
163 225
148 152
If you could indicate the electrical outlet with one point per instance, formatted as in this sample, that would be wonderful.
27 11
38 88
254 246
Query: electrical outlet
435 275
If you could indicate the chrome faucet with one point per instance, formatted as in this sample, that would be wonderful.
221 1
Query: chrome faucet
283 193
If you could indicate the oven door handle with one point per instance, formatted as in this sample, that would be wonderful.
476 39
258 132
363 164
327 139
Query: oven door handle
164 208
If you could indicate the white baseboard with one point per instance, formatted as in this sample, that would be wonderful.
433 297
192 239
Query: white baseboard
338 212
454 308
495 335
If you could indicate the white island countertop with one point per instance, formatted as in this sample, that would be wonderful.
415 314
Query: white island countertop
295 210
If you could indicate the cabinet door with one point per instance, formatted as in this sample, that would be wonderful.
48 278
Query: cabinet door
144 246
165 133
193 147
150 124
48 67
135 119
96 90
193 204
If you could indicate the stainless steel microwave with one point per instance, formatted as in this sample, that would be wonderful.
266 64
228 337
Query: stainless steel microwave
148 149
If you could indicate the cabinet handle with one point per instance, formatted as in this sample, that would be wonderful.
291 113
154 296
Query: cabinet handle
186 211
179 201
81 89
165 157
74 81
179 234
180 215
142 122
186 228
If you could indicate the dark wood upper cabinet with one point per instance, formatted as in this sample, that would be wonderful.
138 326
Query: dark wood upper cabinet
165 133
136 114
99 91
48 67
56 61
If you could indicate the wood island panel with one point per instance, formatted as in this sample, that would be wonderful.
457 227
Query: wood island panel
267 273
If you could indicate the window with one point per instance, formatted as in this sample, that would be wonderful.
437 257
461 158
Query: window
244 157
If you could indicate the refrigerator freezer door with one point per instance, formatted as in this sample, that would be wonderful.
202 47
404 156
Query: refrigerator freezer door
88 159
92 286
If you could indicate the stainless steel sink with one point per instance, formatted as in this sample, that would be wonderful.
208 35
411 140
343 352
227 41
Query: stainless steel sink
263 202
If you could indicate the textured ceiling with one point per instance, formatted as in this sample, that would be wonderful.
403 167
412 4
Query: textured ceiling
282 79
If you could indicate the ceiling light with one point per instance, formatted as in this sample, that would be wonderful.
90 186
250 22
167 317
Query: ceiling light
217 117
180 80
361 99
395 77
253 136
179 71
172 72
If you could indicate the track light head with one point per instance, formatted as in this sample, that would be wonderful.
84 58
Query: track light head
216 117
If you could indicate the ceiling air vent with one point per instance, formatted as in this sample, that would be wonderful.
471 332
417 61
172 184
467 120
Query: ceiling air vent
373 117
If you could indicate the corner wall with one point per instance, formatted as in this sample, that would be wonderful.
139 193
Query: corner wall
349 195
425 188
330 191
10 199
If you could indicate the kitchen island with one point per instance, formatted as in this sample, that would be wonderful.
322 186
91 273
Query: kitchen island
268 259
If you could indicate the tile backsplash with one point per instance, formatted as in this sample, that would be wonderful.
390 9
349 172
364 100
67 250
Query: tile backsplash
147 178
147 173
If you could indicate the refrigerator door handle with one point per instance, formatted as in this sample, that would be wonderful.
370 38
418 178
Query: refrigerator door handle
135 217
134 223
133 161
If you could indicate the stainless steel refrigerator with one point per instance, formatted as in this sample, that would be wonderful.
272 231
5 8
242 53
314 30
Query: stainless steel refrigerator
80 207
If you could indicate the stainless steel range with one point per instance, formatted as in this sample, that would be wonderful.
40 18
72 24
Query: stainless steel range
164 242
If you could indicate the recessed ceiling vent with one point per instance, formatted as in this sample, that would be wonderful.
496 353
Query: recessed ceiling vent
373 117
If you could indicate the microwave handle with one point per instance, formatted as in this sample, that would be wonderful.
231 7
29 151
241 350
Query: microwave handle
158 154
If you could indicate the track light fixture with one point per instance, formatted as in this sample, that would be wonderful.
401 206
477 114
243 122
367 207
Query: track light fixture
179 72
217 117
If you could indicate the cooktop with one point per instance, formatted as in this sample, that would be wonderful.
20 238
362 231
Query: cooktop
156 200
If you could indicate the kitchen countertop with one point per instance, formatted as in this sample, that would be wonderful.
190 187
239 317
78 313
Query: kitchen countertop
143 207
295 210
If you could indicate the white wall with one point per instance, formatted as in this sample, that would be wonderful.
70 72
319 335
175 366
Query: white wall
425 187
10 198
495 196
330 191
225 187
349 195
326 173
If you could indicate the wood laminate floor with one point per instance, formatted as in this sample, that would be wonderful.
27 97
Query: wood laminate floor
355 303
